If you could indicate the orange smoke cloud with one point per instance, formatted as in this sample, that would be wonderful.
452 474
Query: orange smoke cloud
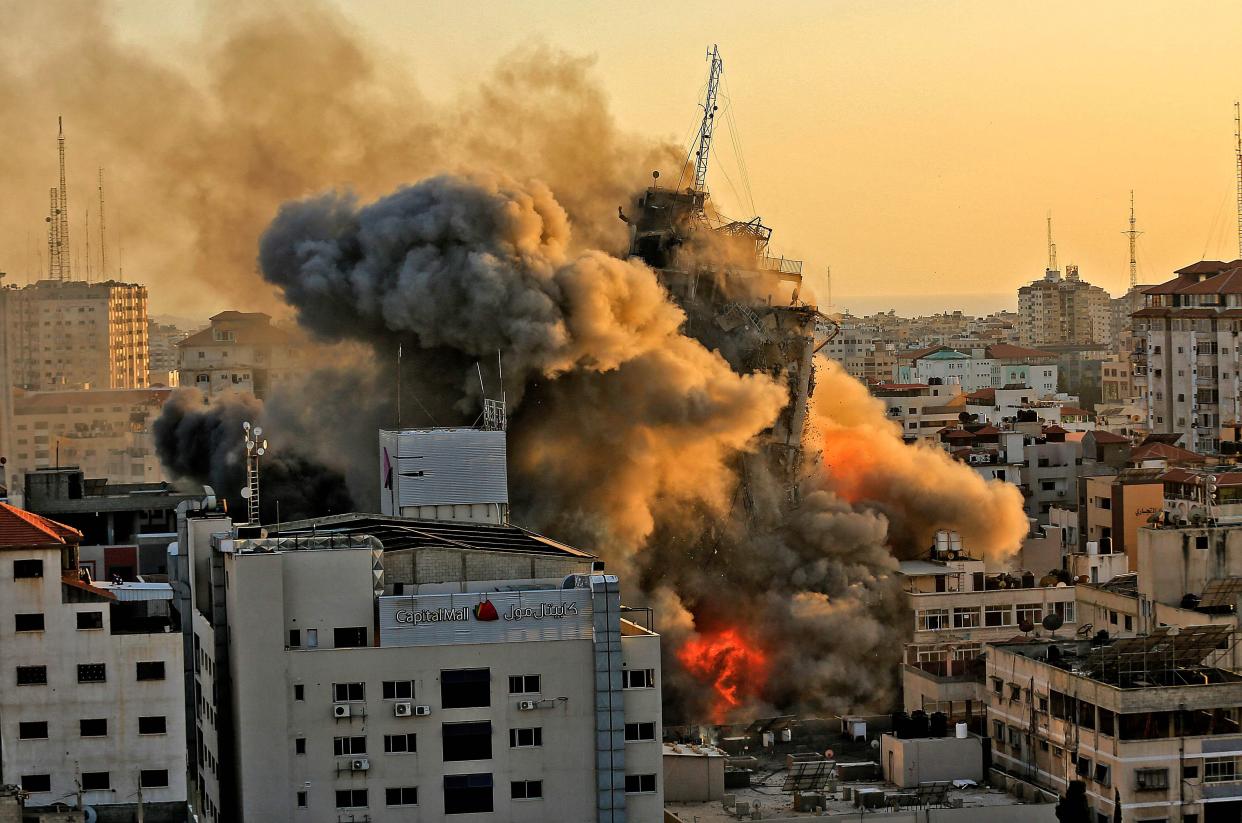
735 667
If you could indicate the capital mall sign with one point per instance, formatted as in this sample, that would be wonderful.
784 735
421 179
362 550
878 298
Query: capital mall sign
485 612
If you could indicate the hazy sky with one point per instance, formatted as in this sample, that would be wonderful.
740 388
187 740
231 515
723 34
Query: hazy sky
914 147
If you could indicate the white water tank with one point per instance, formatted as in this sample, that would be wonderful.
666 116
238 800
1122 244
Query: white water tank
961 731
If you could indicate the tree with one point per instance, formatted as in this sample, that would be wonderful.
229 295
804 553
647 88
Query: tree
1073 805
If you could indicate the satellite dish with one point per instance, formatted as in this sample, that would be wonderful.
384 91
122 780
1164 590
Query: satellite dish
249 443
261 450
875 744
246 492
1026 627
257 431
1052 622
829 754
246 425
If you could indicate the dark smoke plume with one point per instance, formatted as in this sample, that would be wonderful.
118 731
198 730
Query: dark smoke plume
203 442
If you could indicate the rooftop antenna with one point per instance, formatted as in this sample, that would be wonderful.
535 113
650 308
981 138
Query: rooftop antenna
493 410
1052 247
255 448
709 120
1134 233
87 231
1237 152
66 270
103 245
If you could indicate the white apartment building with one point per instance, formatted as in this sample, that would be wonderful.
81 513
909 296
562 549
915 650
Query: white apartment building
92 711
1190 372
1056 311
379 668
76 335
241 351
1000 365
920 410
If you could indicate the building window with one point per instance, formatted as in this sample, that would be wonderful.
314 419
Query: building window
1030 613
400 743
92 673
640 783
351 798
349 692
153 724
153 778
966 618
524 684
1103 774
526 790
299 745
25 569
1219 769
90 620
998 616
401 796
353 637
28 622
299 691
638 678
150 670
345 746
93 727
96 781
36 783
467 793
525 738
931 620
32 675
465 688
1151 779
32 730
1190 772
301 800
467 741
398 689
639 731
295 638
1065 610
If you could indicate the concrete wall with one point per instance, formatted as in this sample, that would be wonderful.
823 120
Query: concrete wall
907 763
693 778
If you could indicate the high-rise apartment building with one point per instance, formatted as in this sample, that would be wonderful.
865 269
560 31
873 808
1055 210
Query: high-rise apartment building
76 335
1069 310
241 351
1190 371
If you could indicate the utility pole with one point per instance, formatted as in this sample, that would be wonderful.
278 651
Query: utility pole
1133 234
140 809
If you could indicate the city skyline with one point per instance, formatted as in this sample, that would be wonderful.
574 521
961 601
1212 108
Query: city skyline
924 157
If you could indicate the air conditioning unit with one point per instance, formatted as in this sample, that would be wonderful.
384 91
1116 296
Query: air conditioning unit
402 709
359 764
527 705
422 711
341 710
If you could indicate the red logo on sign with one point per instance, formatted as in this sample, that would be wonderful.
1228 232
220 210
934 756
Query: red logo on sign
485 611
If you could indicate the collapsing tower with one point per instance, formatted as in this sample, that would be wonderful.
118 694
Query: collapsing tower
739 299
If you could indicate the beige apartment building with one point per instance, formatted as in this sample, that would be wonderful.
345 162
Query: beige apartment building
1117 506
107 433
1057 311
92 711
76 335
958 608
380 668
1149 724
240 351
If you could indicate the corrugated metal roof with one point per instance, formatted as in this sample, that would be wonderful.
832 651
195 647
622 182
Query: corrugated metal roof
133 592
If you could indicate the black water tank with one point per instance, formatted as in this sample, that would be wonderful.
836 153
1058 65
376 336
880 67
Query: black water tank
918 723
939 724
901 725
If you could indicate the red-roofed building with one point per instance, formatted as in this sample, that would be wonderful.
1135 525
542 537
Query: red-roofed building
94 698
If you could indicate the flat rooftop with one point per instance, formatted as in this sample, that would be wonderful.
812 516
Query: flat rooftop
396 533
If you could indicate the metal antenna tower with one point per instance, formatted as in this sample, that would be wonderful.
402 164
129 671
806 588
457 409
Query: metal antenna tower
1237 151
1134 234
1052 247
66 269
53 234
255 448
103 246
87 231
709 120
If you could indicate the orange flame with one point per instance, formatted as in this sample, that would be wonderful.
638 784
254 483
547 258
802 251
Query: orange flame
736 667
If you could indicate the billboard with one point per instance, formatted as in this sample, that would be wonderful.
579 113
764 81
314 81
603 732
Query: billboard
485 617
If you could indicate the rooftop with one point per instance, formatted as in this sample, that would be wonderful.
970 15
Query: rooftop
20 528
397 533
